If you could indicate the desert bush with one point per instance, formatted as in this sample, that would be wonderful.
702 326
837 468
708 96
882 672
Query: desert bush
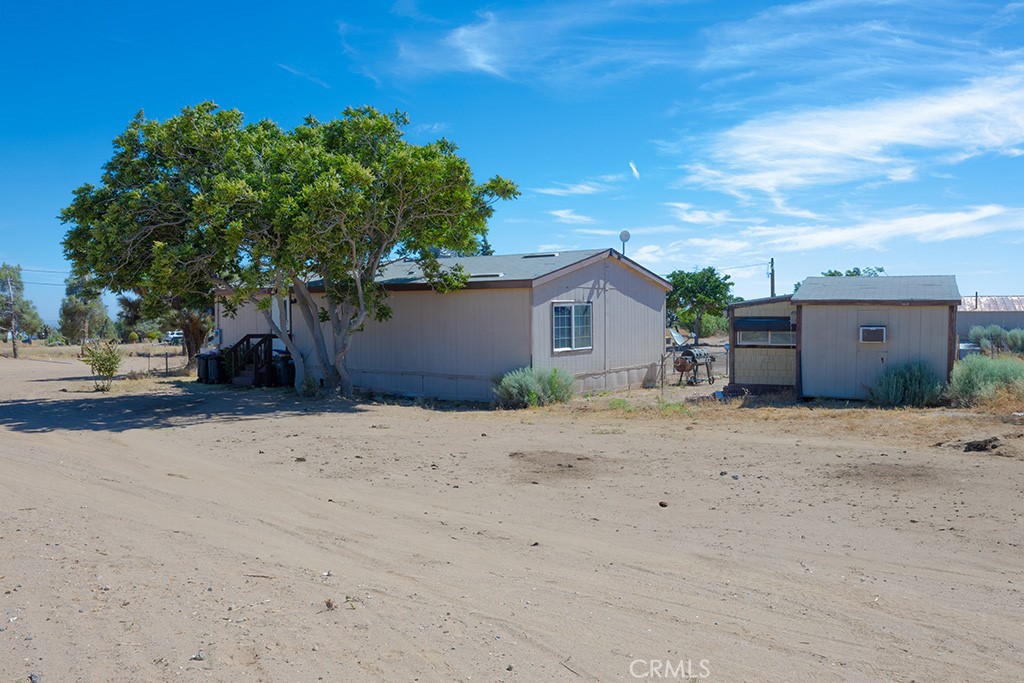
104 358
1015 340
527 387
979 378
133 336
910 384
995 338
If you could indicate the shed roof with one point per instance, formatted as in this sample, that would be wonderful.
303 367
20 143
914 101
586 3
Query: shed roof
992 303
896 289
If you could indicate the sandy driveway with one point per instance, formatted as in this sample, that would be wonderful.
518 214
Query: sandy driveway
294 541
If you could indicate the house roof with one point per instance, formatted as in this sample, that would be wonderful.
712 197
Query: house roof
992 303
506 270
896 289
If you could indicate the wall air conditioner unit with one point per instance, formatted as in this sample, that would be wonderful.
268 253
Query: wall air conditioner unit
872 334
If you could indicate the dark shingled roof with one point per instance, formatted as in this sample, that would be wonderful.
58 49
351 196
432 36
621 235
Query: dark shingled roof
507 270
489 268
882 289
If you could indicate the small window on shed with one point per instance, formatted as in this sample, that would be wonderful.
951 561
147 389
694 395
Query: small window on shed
872 334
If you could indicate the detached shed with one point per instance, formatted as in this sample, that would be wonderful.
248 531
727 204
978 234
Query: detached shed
842 334
595 314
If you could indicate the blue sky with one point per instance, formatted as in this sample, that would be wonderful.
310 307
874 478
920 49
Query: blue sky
823 134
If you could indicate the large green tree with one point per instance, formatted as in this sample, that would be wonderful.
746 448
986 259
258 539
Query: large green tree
698 293
82 313
202 203
18 315
148 228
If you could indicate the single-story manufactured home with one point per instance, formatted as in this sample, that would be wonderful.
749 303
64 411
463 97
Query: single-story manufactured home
1005 311
834 336
595 314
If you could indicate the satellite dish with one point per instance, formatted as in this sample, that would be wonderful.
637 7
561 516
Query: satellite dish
624 236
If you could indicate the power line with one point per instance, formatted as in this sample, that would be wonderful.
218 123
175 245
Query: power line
52 284
56 272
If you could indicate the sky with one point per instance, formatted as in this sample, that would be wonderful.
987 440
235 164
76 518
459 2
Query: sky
821 134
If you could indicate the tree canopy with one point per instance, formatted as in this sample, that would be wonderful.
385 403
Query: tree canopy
203 204
868 271
697 293
22 317
82 314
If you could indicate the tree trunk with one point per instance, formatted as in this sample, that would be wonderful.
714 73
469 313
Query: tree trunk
192 337
328 373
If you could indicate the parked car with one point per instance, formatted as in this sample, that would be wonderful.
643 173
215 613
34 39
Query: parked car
174 337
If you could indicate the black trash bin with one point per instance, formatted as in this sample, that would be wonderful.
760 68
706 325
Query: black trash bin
203 366
218 369
284 369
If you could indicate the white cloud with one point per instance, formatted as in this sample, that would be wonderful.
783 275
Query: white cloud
888 139
688 214
636 173
305 76
566 189
647 230
874 234
571 217
560 45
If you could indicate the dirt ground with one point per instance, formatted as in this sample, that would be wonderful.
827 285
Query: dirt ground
176 531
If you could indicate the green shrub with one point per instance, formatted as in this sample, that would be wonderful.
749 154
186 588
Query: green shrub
977 378
997 335
976 334
621 404
133 336
527 387
994 339
1015 340
104 357
911 384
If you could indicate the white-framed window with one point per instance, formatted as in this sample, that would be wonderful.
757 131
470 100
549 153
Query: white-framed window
572 326
765 338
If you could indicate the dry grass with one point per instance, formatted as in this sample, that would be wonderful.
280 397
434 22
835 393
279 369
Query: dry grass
1005 402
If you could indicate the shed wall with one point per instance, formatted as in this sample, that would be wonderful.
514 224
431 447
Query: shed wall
752 366
835 364
628 326
765 366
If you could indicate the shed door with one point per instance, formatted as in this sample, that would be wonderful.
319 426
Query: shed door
871 357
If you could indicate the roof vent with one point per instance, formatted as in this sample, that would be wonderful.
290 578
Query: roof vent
549 254
477 275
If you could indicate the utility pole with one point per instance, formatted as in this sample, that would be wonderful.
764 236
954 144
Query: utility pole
771 271
14 318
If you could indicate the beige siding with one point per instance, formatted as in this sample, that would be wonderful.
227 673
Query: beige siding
628 326
834 364
444 345
248 320
775 309
765 366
